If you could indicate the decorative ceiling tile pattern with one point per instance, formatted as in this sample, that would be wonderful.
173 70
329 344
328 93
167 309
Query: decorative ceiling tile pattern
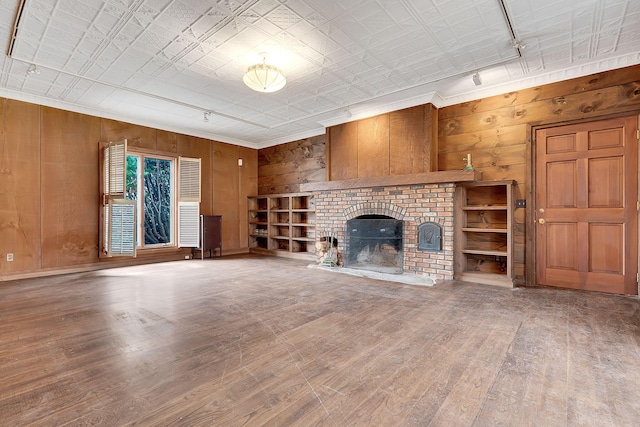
164 63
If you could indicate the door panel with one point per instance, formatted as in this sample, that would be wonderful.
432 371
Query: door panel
608 138
561 144
561 184
562 251
609 257
606 182
586 195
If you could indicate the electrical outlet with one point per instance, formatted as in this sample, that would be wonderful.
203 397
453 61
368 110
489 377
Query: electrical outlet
9 257
521 203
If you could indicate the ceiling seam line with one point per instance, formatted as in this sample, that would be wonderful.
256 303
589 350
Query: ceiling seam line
150 95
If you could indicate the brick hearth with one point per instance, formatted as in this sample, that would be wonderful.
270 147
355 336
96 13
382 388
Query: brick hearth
413 204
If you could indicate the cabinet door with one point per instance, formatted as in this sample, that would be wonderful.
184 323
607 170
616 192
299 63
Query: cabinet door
211 232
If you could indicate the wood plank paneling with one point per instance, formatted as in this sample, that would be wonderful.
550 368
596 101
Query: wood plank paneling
136 135
56 229
286 166
408 141
167 141
70 183
627 78
469 142
486 158
226 187
303 165
20 209
343 151
373 146
431 138
397 143
309 148
293 180
497 130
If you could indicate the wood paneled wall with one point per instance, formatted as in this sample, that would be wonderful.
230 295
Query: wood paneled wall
20 186
49 187
282 168
497 131
70 182
397 143
49 202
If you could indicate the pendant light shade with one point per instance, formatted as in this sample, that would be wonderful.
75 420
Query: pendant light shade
264 78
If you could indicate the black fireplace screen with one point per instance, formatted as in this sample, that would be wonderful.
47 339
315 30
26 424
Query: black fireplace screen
374 243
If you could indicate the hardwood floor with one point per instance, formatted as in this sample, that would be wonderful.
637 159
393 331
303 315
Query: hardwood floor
266 341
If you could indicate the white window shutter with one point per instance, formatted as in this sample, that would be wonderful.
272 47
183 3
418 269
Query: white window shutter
118 215
189 179
115 168
189 175
121 227
188 224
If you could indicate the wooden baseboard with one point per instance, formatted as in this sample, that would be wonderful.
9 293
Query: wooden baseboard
285 254
148 258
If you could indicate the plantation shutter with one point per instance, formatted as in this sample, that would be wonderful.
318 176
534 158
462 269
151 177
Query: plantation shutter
189 175
118 215
121 223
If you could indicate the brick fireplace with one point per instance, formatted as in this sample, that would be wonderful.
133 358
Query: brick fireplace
414 204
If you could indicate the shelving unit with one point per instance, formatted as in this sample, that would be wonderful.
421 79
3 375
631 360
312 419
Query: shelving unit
283 224
483 230
258 223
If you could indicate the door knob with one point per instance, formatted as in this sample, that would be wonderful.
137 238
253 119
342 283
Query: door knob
541 221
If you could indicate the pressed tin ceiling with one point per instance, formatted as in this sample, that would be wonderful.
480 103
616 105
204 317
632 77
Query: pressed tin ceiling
165 63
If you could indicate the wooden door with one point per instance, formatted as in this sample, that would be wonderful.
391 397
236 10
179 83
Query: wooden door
586 206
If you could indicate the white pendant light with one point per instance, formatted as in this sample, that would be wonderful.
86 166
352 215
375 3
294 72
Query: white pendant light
264 78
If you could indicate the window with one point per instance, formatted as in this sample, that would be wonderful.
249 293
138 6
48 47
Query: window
150 182
149 201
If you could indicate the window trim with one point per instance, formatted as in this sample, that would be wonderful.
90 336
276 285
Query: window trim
173 158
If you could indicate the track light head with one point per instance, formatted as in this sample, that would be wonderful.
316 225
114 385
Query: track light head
476 79
33 69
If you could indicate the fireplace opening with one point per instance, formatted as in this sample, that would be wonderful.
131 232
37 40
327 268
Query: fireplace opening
374 242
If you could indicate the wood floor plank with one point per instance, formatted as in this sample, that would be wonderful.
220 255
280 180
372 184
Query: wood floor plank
252 340
537 360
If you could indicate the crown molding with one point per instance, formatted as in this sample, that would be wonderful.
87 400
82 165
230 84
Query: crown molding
540 79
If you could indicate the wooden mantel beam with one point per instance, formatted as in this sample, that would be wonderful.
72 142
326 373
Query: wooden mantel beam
386 181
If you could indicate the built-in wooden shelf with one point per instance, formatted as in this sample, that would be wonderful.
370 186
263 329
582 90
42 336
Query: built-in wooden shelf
283 224
484 208
483 232
483 252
